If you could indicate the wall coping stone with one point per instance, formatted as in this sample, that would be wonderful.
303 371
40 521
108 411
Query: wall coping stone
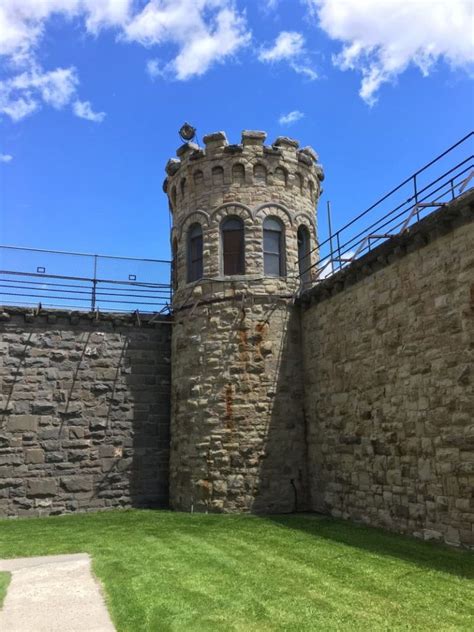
48 316
438 223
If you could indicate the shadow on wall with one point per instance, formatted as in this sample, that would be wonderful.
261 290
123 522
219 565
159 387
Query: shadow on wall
140 451
86 420
281 486
426 555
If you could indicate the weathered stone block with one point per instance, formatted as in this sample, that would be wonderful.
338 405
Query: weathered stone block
22 423
42 487
34 456
77 484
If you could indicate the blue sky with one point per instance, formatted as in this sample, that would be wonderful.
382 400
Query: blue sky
378 89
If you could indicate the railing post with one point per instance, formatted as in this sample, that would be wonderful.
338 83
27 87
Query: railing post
94 285
330 234
338 251
452 188
415 188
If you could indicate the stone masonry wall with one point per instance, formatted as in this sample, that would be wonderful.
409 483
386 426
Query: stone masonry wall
237 428
388 356
84 420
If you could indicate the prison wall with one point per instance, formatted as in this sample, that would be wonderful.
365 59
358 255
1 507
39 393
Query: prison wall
388 374
84 412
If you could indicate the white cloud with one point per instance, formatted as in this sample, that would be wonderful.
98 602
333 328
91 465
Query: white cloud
23 22
154 68
291 117
381 39
205 32
83 109
202 31
23 93
289 47
6 158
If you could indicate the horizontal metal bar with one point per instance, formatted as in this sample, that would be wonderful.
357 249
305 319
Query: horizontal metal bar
87 311
86 279
86 300
83 254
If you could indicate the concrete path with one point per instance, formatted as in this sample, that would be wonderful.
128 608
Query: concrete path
57 593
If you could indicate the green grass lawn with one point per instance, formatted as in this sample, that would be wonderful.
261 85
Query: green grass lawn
166 571
4 581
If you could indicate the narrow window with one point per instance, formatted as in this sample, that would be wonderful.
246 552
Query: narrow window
233 246
311 190
273 247
174 265
183 187
238 174
194 252
217 175
280 176
303 253
198 178
299 182
260 174
173 197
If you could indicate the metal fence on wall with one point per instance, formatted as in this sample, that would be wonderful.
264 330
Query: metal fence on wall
439 182
74 280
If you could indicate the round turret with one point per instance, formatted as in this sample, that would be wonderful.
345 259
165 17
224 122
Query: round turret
243 241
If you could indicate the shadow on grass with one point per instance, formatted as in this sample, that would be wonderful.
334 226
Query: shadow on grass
428 555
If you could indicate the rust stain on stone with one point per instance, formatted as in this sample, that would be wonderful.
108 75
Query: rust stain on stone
229 404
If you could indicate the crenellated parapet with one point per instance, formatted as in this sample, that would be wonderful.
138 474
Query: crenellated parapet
221 172
251 181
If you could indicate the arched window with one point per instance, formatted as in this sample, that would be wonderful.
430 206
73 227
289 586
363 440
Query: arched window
233 247
174 264
303 253
299 182
173 197
273 247
280 176
194 252
260 174
198 178
238 174
217 175
311 190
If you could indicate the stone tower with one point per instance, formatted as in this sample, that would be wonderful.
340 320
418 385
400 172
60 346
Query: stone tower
243 237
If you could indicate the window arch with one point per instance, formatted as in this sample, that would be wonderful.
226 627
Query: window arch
238 174
233 246
280 176
174 264
217 175
198 178
194 252
273 247
303 253
299 182
260 174
173 197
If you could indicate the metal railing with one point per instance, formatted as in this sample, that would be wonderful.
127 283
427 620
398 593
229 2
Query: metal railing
76 280
437 183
